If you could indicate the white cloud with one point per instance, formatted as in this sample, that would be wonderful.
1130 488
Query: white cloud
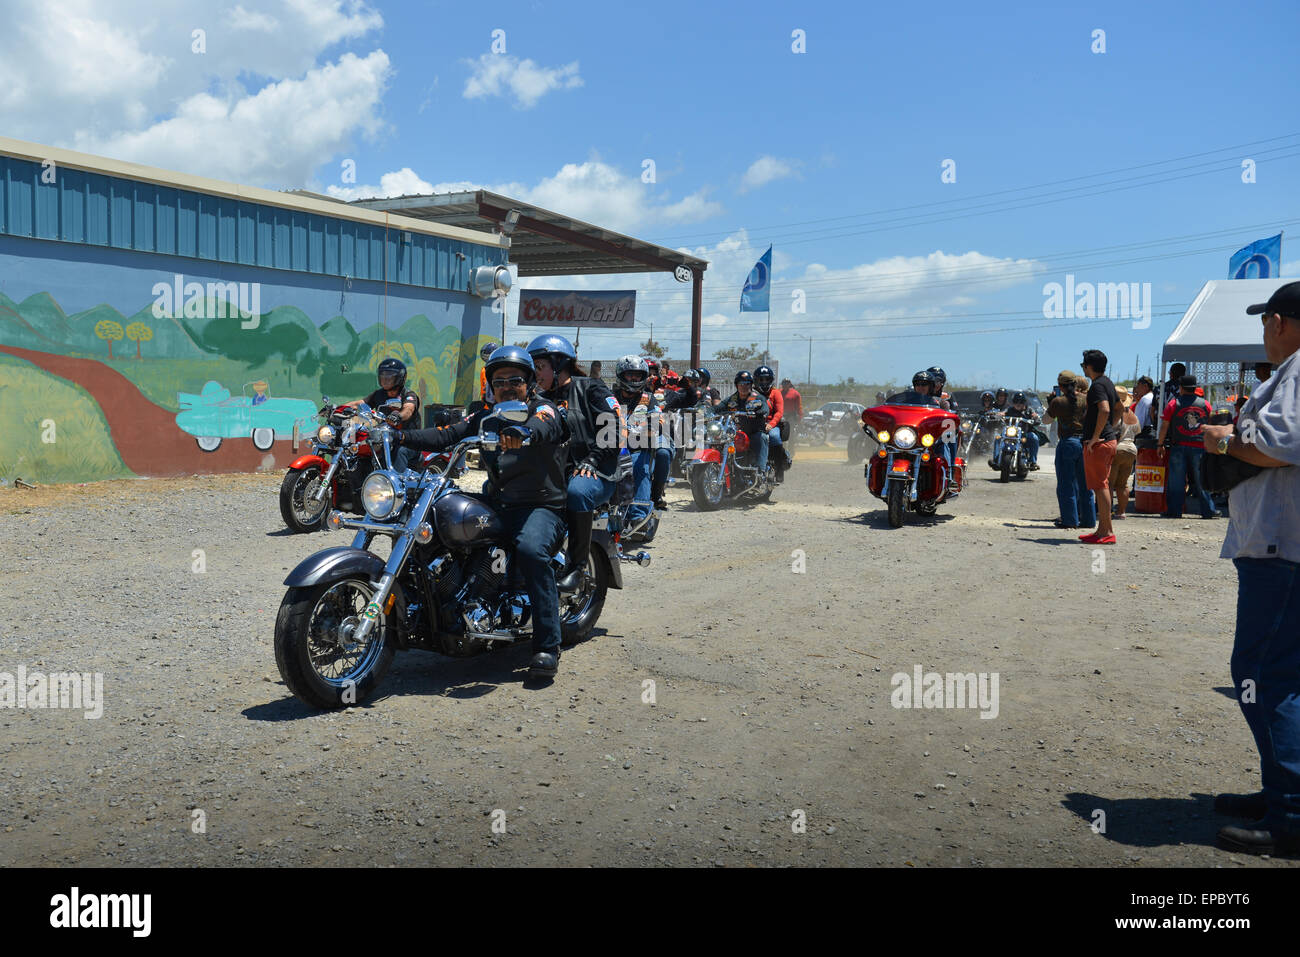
1290 269
403 182
765 170
499 74
121 77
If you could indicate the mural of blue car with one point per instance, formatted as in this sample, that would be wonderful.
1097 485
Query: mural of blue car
213 415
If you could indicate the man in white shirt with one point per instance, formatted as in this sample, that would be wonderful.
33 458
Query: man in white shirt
1142 392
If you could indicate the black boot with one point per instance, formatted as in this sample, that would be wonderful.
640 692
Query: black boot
578 552
657 495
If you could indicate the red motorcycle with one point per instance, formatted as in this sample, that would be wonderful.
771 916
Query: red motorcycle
910 469
330 476
725 466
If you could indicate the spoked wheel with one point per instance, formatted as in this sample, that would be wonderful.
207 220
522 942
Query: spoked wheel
297 509
580 611
707 486
896 499
315 646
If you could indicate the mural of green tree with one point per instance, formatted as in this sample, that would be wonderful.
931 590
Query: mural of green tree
138 332
110 331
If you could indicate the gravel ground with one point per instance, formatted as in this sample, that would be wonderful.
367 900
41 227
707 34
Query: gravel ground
772 695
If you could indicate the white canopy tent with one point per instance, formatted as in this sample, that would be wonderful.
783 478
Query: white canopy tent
1215 327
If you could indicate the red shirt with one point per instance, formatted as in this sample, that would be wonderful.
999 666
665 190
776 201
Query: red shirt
777 405
793 401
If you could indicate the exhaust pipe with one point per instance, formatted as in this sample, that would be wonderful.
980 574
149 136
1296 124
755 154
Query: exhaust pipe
641 558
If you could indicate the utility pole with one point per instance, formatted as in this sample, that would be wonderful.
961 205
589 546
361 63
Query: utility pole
808 381
1036 342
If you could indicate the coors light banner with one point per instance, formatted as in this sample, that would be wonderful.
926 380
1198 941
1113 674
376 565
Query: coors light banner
555 307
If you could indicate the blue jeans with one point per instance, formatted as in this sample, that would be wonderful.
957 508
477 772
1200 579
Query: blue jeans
535 535
586 493
1078 507
774 442
761 441
1185 463
1032 443
647 461
1266 651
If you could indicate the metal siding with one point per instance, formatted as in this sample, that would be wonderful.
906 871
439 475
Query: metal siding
165 219
45 203
227 230
72 206
347 248
265 236
377 254
207 219
415 261
399 258
280 239
18 200
121 202
330 228
316 244
143 199
96 209
187 224
246 214
298 230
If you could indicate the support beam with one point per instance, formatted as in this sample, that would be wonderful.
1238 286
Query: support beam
697 314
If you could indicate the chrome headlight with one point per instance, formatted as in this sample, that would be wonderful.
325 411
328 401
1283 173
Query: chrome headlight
714 430
382 495
326 435
1012 430
905 437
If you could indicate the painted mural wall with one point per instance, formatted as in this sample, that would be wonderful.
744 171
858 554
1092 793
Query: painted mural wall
116 363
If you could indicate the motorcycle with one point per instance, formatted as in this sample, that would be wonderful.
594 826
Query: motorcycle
909 470
331 475
725 466
448 585
978 432
1011 450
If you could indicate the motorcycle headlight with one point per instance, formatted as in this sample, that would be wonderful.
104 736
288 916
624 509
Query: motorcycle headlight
905 437
714 431
382 495
1012 430
927 440
882 435
326 435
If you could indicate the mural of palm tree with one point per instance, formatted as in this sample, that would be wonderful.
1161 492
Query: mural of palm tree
138 332
109 331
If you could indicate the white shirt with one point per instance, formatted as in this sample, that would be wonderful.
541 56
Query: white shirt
1143 409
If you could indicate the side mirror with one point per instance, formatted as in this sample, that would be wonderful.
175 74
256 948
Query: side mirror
511 411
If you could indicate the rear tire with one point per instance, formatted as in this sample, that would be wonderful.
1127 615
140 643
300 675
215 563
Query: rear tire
707 486
896 499
321 606
579 615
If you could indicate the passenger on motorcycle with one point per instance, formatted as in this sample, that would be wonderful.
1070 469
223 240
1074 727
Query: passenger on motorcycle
752 418
764 378
1000 401
651 459
707 392
525 485
392 387
586 405
947 404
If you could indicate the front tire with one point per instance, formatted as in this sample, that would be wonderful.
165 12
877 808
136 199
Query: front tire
1006 468
295 509
707 486
312 650
896 499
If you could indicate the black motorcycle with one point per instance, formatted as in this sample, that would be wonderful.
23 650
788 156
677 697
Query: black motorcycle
448 585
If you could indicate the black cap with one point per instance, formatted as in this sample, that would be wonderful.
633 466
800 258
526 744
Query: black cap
1285 300
1187 382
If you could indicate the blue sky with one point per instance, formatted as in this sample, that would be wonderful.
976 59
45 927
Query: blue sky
752 144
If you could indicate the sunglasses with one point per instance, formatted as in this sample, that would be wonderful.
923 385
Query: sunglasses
514 382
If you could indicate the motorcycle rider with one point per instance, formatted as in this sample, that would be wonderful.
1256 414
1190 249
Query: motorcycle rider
391 374
1000 401
752 415
1020 410
485 353
650 468
585 403
526 487
764 378
919 394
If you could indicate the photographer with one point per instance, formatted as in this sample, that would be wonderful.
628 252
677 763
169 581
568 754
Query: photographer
1263 542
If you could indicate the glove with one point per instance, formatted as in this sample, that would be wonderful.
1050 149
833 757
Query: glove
394 419
521 432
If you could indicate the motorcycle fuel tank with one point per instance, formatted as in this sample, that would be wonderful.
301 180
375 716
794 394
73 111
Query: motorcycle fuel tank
463 521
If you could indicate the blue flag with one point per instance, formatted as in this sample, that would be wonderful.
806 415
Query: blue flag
1259 260
758 287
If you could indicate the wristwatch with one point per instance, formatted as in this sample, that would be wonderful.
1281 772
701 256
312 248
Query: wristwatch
1223 445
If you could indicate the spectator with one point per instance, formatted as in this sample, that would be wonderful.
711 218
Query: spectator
595 371
1187 413
1171 388
1067 411
793 401
1099 442
1121 470
1144 393
1263 370
1263 542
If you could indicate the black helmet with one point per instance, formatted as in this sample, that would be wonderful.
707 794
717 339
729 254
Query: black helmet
1001 392
743 376
511 356
1019 399
764 377
486 352
922 378
394 368
939 375
705 377
556 348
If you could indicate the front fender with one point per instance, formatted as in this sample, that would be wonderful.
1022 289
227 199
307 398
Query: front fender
303 461
706 455
338 562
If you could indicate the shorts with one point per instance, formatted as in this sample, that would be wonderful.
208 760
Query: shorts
1096 465
1121 470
